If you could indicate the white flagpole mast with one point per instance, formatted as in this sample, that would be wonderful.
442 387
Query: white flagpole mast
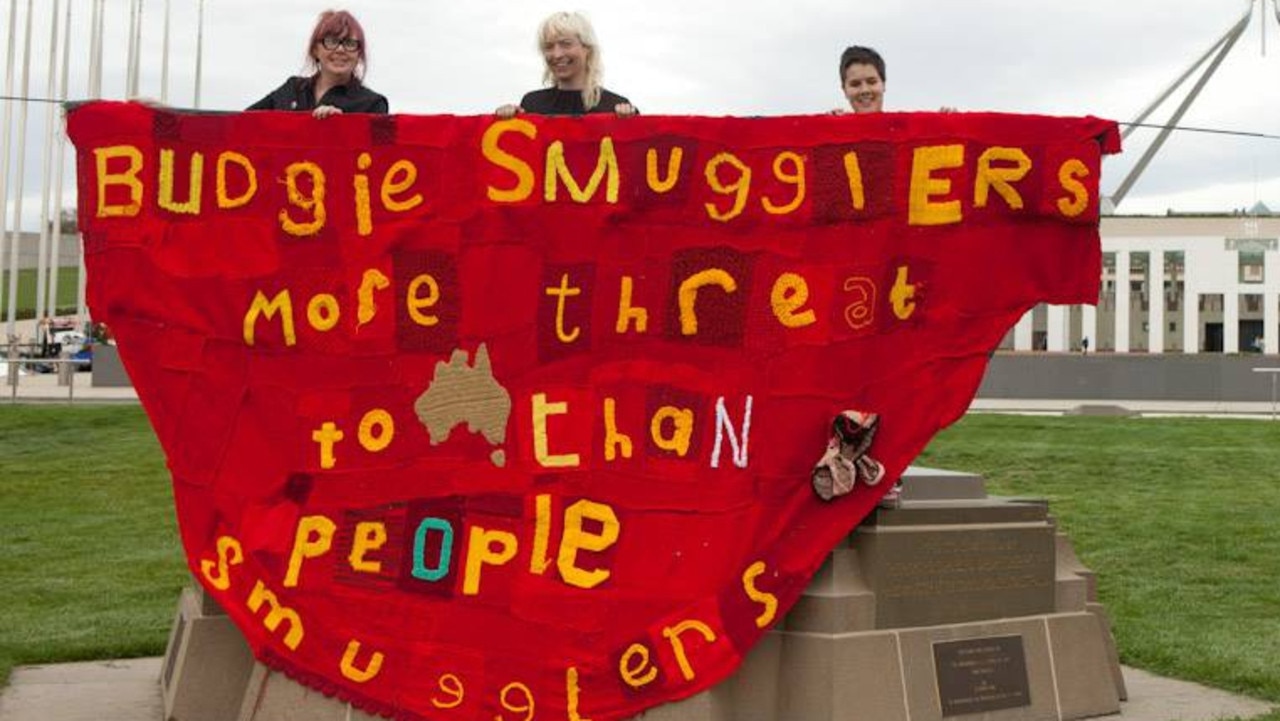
133 50
164 59
42 252
1223 47
95 51
95 91
62 157
8 137
16 231
102 42
93 39
136 75
199 51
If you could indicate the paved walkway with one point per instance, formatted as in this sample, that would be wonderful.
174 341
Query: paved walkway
130 691
46 388
90 691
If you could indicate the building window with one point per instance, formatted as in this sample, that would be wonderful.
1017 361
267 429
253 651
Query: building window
1210 302
1253 266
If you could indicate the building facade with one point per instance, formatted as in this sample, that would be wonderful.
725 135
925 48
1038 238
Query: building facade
1173 284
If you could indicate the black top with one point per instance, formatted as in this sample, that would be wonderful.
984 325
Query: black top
298 93
554 101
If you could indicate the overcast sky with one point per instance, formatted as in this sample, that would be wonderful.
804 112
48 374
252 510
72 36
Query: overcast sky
755 57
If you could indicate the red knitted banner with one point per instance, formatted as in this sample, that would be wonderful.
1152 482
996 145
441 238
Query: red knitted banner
477 419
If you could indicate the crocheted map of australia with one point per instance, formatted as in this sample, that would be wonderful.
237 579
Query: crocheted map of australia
463 392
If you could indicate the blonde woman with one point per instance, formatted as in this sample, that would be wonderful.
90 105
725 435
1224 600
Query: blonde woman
574 73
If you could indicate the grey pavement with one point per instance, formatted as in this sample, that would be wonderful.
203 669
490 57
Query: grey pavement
88 691
46 388
130 691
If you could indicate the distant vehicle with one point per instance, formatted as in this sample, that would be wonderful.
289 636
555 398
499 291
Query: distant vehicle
85 354
70 340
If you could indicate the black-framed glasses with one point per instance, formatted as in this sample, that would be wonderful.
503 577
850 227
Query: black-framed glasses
333 42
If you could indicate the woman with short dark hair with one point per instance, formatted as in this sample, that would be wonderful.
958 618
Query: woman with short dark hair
862 79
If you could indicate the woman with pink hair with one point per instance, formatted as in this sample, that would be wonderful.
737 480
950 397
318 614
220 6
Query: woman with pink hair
335 65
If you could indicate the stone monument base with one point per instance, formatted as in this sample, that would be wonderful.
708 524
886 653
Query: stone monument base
206 664
950 605
1057 664
272 696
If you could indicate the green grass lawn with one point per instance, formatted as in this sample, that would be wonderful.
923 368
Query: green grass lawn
90 564
1178 517
68 286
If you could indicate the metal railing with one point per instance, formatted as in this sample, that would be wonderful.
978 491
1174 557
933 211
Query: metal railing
65 369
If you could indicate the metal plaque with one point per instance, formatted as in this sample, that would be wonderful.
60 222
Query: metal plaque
981 674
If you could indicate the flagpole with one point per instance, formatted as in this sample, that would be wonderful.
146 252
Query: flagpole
164 58
62 159
199 51
129 90
95 92
8 136
136 76
93 44
16 231
42 250
99 22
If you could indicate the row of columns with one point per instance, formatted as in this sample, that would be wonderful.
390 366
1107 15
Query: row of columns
1058 321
